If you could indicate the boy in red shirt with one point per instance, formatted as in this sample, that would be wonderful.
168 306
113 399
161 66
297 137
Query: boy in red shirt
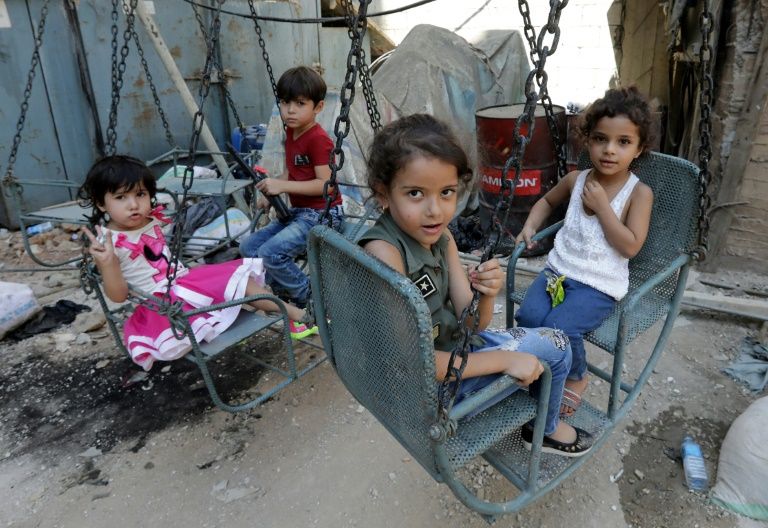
301 92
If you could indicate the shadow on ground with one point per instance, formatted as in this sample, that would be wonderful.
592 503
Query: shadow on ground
652 487
100 403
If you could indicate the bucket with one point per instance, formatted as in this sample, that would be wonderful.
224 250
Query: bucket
252 140
495 133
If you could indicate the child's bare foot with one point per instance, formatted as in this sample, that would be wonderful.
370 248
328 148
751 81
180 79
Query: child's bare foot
572 396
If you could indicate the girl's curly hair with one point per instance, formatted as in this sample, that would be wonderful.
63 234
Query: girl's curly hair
411 136
621 101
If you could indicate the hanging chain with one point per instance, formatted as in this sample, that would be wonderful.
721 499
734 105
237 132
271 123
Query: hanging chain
117 73
536 52
264 54
9 178
523 132
365 79
342 126
198 120
153 89
222 77
706 22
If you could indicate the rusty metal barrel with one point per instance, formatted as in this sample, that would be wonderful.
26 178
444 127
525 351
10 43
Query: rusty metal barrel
495 141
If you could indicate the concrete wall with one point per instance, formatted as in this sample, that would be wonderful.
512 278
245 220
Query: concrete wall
746 241
583 64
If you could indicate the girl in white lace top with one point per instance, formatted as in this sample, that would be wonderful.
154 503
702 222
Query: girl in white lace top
606 224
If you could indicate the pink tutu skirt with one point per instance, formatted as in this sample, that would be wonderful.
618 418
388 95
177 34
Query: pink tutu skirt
148 335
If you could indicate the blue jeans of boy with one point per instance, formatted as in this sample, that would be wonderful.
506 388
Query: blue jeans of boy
583 309
550 346
279 243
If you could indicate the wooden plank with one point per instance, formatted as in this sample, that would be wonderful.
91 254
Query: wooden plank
752 308
380 42
750 117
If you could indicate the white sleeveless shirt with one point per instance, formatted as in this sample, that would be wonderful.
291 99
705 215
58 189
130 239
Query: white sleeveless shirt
581 251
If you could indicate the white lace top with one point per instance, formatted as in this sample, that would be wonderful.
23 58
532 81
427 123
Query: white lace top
581 251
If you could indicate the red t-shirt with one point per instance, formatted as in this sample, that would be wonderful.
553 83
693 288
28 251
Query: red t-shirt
312 149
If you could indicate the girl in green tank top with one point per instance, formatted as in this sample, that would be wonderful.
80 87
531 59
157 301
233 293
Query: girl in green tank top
416 169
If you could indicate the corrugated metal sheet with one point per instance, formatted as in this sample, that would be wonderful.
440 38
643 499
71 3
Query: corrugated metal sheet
60 139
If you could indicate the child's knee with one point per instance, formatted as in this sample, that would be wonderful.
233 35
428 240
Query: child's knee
274 260
529 318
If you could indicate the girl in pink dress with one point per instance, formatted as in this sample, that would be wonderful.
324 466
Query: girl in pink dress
131 250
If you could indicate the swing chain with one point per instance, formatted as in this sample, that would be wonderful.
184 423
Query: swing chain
38 39
346 96
356 32
153 88
188 178
449 387
264 54
365 76
222 76
706 52
118 71
539 53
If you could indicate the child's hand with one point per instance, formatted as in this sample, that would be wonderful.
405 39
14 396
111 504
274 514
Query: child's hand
263 203
594 197
101 248
526 234
524 367
487 278
270 186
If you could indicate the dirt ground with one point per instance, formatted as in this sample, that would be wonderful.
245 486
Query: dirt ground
87 441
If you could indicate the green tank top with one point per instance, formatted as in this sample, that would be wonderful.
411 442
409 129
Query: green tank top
428 270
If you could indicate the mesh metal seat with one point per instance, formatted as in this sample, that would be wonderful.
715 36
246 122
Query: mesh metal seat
657 273
377 333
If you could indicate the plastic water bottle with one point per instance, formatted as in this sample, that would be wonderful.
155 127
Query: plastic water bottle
39 228
693 464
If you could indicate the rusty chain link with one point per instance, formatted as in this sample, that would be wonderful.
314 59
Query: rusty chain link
223 81
264 54
118 72
153 89
523 133
342 125
10 180
198 121
706 82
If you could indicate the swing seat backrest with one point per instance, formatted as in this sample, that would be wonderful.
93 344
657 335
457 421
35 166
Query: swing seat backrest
377 332
672 232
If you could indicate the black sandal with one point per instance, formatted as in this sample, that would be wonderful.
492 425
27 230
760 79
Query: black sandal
579 447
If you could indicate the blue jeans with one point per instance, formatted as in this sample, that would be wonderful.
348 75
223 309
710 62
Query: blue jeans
550 346
583 309
279 243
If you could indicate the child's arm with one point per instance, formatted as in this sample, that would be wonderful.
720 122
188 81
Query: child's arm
627 238
106 260
520 365
273 186
486 278
524 367
544 207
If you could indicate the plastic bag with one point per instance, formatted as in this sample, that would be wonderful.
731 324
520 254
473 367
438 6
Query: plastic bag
742 472
17 304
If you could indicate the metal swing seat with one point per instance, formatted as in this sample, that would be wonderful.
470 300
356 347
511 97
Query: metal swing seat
377 333
248 323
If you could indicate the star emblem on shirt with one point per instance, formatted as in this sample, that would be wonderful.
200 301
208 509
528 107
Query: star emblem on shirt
425 285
